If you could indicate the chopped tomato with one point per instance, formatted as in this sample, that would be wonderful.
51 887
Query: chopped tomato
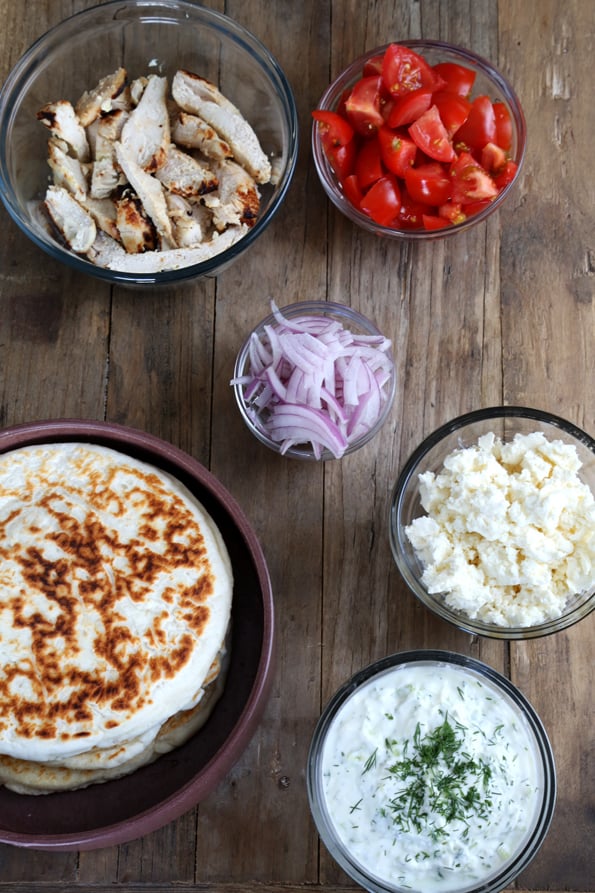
373 66
459 79
480 126
336 135
363 106
503 125
493 158
430 135
454 110
432 221
352 190
409 107
475 207
506 175
411 148
382 201
397 150
470 181
368 164
429 183
404 70
411 211
452 211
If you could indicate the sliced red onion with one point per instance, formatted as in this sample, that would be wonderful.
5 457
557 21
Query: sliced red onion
312 381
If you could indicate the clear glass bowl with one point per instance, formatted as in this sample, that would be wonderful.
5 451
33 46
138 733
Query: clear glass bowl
462 432
349 319
147 36
357 716
488 81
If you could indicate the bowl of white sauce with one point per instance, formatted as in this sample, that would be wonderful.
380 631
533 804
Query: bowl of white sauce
430 772
492 522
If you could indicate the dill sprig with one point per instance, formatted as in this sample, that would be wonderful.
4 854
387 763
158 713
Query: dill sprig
441 779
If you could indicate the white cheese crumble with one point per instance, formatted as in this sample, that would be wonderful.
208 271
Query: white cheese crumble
509 535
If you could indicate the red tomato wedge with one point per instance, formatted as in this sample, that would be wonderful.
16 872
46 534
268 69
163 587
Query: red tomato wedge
409 107
493 158
431 136
480 126
454 110
382 201
352 190
363 106
368 164
336 135
470 181
397 150
506 175
433 221
458 78
429 184
503 126
404 70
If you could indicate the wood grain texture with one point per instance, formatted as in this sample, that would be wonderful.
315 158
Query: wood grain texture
502 313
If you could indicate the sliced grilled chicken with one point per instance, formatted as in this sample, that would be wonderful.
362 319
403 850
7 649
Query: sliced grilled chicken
137 232
184 175
76 226
236 200
150 192
103 212
200 97
137 88
191 221
194 133
146 133
99 100
66 170
60 118
105 252
106 176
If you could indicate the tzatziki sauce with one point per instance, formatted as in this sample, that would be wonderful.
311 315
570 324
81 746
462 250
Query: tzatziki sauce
430 777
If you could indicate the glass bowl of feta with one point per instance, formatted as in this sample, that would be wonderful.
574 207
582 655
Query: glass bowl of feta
492 522
146 142
430 772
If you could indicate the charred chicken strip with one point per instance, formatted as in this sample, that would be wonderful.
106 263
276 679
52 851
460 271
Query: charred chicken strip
200 97
146 135
95 102
194 133
150 192
75 225
184 175
60 118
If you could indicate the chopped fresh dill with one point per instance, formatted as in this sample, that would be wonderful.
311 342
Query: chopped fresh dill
355 806
440 778
370 762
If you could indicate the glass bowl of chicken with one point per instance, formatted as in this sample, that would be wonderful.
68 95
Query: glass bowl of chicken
146 142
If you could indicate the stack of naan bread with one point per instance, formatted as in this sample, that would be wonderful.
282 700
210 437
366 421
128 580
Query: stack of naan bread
115 603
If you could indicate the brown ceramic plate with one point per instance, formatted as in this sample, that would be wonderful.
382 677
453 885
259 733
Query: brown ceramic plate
122 810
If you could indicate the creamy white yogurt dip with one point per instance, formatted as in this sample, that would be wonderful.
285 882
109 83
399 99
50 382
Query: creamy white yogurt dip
431 777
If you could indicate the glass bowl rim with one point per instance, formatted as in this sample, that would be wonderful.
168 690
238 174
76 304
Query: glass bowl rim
331 95
322 308
434 603
17 80
510 691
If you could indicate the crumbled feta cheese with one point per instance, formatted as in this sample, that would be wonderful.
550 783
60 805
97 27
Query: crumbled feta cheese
509 535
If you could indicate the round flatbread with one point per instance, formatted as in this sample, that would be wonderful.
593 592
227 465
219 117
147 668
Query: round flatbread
115 602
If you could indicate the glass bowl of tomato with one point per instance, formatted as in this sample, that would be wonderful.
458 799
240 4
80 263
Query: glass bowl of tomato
418 140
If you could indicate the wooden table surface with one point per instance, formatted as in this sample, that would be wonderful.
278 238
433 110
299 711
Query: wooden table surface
501 314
